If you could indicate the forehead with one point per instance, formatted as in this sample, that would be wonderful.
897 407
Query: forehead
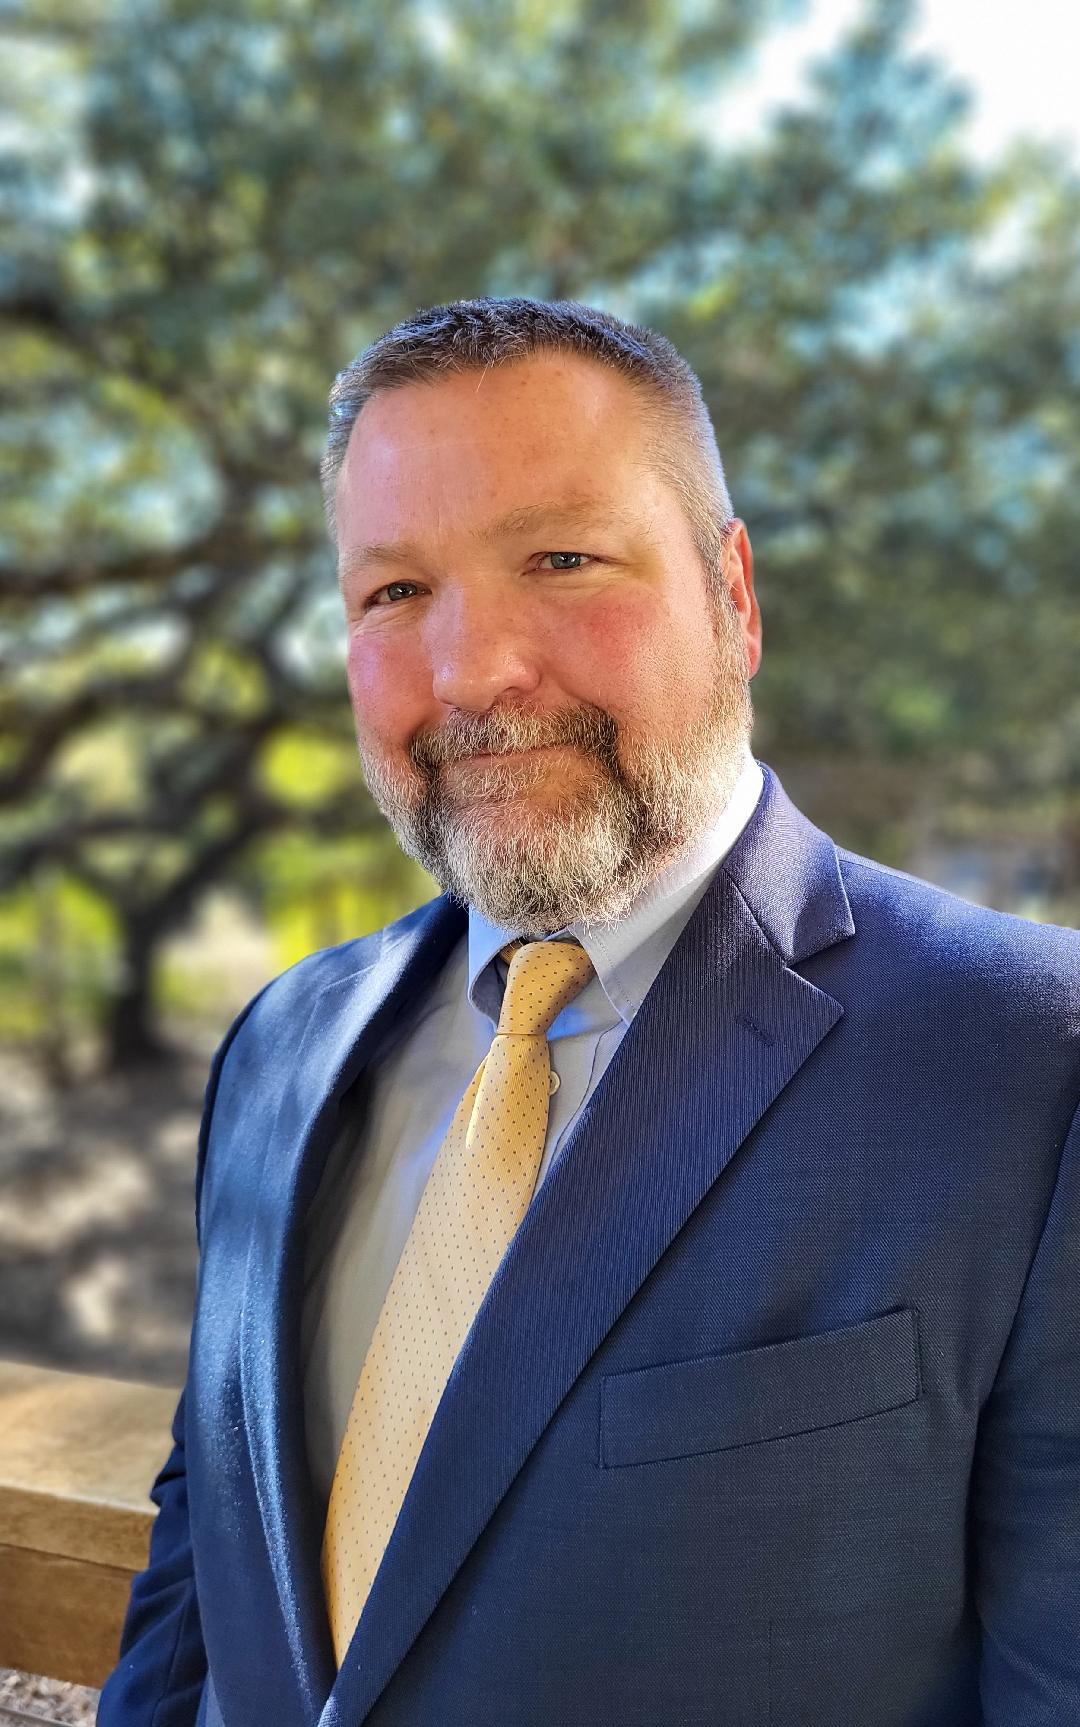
486 442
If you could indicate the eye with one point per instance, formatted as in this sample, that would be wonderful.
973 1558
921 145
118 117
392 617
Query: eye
385 590
587 555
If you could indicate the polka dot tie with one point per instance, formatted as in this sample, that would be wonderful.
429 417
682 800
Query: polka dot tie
473 1201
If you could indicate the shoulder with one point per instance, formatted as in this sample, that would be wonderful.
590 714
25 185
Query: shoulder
279 1012
939 951
936 920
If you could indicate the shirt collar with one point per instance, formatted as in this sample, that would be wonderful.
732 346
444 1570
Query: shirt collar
628 954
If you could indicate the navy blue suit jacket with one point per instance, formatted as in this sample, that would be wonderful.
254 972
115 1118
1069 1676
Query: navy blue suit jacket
771 1413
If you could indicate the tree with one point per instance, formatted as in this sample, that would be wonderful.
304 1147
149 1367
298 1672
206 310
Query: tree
897 384
220 224
237 233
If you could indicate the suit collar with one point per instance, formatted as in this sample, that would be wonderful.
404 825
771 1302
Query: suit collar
289 1675
726 1000
788 873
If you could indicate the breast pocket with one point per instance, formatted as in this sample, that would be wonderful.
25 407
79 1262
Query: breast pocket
745 1396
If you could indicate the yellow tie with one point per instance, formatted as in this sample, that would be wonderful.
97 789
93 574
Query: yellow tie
474 1199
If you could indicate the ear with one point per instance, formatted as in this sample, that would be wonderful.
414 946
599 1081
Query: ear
739 574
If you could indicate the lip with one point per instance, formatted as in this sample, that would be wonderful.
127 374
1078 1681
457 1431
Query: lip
502 755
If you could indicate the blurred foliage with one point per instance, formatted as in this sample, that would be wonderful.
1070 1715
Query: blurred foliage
315 895
207 211
58 947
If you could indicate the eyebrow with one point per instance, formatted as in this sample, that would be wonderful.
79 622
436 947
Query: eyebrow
573 512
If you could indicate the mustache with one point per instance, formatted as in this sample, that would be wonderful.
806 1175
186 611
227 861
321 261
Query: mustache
585 728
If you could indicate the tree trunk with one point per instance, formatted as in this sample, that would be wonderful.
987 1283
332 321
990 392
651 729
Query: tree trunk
132 1039
51 985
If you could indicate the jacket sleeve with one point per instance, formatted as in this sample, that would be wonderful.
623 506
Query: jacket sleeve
158 1678
161 1666
1026 1487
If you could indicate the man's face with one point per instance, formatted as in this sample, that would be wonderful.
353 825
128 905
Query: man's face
579 632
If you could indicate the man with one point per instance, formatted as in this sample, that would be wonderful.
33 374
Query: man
640 1285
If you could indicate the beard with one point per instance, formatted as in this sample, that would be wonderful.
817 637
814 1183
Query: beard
536 843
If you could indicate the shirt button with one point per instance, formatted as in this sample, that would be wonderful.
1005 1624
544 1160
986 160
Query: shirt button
554 1083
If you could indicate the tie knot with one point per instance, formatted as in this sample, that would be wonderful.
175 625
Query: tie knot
544 977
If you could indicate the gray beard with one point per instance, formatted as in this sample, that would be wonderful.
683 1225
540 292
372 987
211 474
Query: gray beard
538 864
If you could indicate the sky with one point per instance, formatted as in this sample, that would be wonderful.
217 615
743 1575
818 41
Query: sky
1019 61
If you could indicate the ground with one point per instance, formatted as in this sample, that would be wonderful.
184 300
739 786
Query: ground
97 1230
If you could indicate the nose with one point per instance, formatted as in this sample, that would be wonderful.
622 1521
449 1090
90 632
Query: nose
481 649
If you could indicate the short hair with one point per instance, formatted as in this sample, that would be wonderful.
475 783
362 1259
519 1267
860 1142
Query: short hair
473 335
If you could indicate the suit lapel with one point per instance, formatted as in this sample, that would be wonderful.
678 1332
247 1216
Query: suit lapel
346 1022
725 1026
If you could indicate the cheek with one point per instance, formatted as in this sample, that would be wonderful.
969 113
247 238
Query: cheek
613 643
381 680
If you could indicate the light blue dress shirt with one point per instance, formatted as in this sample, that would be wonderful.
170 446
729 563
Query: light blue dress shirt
406 1099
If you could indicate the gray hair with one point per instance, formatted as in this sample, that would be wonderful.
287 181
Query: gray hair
472 335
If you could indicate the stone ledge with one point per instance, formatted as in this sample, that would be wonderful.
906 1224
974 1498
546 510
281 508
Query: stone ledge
78 1456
